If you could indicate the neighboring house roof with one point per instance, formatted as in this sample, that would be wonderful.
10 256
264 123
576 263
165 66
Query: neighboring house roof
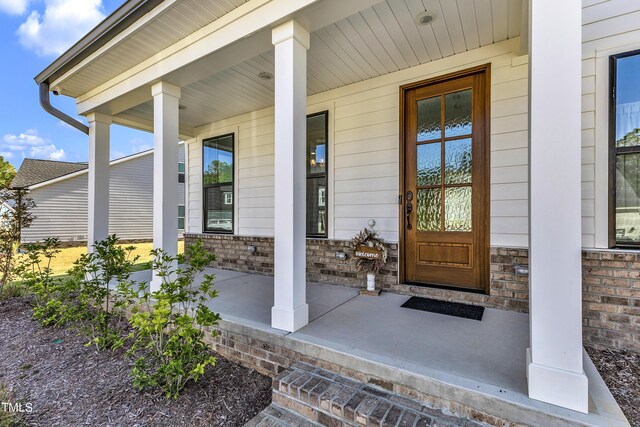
34 171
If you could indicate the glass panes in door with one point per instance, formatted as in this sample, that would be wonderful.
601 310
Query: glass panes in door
444 163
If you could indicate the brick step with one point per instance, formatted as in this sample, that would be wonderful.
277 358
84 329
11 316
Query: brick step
276 416
329 399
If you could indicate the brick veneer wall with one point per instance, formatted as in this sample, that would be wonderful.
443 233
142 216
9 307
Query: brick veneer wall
611 299
322 265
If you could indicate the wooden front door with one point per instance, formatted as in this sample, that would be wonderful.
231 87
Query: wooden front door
445 170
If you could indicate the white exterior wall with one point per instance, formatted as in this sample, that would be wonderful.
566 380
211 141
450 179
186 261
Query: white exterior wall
61 211
609 27
61 207
364 152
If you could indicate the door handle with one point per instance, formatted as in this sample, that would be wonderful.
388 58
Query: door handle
409 209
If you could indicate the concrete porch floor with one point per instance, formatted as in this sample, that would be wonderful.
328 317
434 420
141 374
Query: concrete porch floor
478 362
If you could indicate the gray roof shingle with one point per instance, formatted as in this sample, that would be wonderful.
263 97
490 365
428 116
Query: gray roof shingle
35 171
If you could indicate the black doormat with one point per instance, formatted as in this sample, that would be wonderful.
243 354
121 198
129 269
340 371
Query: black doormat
457 309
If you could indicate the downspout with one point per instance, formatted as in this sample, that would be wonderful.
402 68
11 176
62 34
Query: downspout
45 103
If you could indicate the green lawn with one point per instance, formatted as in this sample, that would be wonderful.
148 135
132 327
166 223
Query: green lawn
67 256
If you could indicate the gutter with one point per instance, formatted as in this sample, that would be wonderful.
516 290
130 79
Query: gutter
45 103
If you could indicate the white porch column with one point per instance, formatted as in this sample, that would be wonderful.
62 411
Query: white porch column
555 370
290 311
165 170
98 185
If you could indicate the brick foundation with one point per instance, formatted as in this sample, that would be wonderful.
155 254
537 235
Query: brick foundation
269 354
611 299
322 265
611 281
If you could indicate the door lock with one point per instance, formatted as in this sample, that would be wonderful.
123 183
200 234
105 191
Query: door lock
409 209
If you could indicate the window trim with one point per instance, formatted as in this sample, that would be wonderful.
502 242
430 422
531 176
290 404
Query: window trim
233 186
614 151
324 235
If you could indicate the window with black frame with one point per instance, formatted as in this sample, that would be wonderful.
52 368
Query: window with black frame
317 206
217 180
625 148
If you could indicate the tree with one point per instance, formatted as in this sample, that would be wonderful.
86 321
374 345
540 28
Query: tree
12 221
630 139
218 172
7 172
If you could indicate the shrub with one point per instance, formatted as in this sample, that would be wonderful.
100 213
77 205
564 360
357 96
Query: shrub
169 324
101 280
52 298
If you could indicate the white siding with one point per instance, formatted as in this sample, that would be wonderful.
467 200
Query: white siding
131 198
61 211
609 27
364 151
61 207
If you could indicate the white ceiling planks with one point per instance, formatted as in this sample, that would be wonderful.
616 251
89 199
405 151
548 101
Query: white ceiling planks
376 41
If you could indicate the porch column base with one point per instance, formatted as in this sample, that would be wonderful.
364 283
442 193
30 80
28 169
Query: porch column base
289 320
557 386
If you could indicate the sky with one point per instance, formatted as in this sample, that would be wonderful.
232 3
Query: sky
33 33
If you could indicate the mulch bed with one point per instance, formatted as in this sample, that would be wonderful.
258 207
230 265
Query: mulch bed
621 372
69 384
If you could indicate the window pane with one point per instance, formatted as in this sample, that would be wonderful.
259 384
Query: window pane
457 161
218 212
428 209
180 223
457 116
316 144
628 101
317 175
457 208
218 160
316 206
429 158
628 198
218 184
429 119
180 211
180 167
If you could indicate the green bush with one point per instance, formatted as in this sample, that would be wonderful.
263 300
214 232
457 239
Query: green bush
101 280
52 298
169 324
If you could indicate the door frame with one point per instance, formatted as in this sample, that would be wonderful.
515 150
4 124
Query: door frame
486 172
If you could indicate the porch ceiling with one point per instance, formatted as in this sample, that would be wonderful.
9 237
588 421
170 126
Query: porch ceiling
375 41
175 21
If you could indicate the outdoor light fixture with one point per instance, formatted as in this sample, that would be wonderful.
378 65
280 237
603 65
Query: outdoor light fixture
341 255
521 270
251 249
424 18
